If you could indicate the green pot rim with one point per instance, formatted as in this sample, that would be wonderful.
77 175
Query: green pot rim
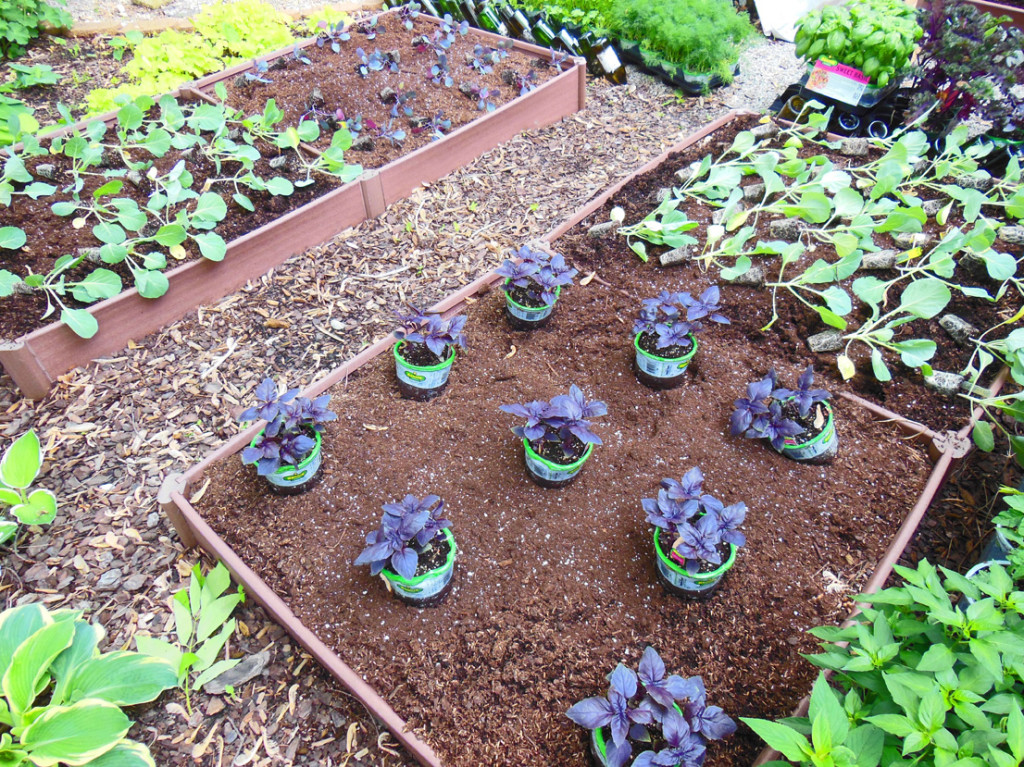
602 744
558 292
685 358
289 468
423 368
416 581
722 569
820 435
558 466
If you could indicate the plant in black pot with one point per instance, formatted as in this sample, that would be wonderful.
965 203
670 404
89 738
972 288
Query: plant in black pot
425 352
288 449
696 536
663 334
557 439
799 423
413 550
533 285
671 721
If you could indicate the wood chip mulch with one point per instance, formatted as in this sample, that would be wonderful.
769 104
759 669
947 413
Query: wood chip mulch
113 431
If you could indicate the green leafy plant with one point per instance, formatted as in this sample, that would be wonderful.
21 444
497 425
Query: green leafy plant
203 624
30 76
21 21
875 36
62 698
15 119
665 225
19 468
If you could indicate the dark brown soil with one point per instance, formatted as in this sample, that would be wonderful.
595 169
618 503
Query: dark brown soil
539 614
419 355
334 75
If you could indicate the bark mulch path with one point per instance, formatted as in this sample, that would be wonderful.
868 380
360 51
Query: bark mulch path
112 431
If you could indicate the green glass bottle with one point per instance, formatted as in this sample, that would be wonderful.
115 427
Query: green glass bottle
490 20
516 21
543 33
602 59
469 12
429 8
567 41
451 8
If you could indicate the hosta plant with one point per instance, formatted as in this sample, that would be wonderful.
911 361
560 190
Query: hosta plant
407 529
203 625
293 423
62 697
665 715
19 468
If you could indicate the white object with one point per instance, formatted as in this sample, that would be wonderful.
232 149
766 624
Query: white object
779 17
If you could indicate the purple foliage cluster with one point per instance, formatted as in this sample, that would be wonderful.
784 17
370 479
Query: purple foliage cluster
290 420
408 12
539 273
676 706
331 34
760 415
406 528
698 522
484 57
432 331
562 420
436 125
386 131
371 27
439 42
672 317
374 62
482 95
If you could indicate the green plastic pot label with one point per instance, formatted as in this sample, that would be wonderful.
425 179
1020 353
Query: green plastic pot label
293 476
428 585
825 443
418 377
685 582
663 367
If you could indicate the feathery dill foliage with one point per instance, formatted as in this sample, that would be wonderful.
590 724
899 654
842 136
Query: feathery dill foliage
696 35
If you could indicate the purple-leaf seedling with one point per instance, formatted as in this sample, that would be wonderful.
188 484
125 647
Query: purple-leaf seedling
563 420
407 528
259 68
408 12
437 125
432 331
672 317
762 414
290 421
333 34
539 273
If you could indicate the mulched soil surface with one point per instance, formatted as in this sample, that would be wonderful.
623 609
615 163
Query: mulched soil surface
112 431
554 588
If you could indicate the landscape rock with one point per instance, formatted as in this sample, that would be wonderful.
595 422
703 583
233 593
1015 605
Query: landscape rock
1011 235
278 162
676 256
719 216
238 675
134 582
974 181
134 178
46 170
600 230
661 194
753 277
932 207
825 341
363 144
854 147
959 329
152 519
109 581
973 265
945 384
684 174
909 240
880 261
753 193
788 229
387 95
765 130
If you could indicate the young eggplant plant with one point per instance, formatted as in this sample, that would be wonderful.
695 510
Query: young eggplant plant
557 439
413 550
425 351
696 536
779 415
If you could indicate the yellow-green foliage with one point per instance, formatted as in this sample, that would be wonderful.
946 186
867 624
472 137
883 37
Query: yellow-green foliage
327 15
226 34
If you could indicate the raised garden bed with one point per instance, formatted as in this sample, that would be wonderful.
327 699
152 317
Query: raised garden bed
35 356
552 585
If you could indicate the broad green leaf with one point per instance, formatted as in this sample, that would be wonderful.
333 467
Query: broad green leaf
39 189
40 509
11 237
845 243
640 249
1015 732
208 651
814 207
21 461
309 131
217 582
63 208
243 201
83 647
182 616
914 742
8 530
74 735
149 283
838 300
130 116
903 220
17 625
158 142
122 678
932 711
848 203
741 267
830 318
342 140
109 233
826 707
111 187
743 143
170 235
8 281
80 321
1000 266
987 656
97 285
866 742
214 615
31 662
916 351
925 298
127 753
210 207
786 741
215 670
878 366
983 437
158 648
894 724
113 254
211 245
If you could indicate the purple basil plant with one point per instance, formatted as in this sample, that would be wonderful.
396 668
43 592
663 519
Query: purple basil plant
406 529
432 331
698 523
760 415
291 420
675 706
672 317
539 273
562 420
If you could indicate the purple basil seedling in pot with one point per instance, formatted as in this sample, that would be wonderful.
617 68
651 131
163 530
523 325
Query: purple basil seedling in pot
557 439
533 282
425 352
663 334
799 423
696 536
413 550
287 450
650 718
